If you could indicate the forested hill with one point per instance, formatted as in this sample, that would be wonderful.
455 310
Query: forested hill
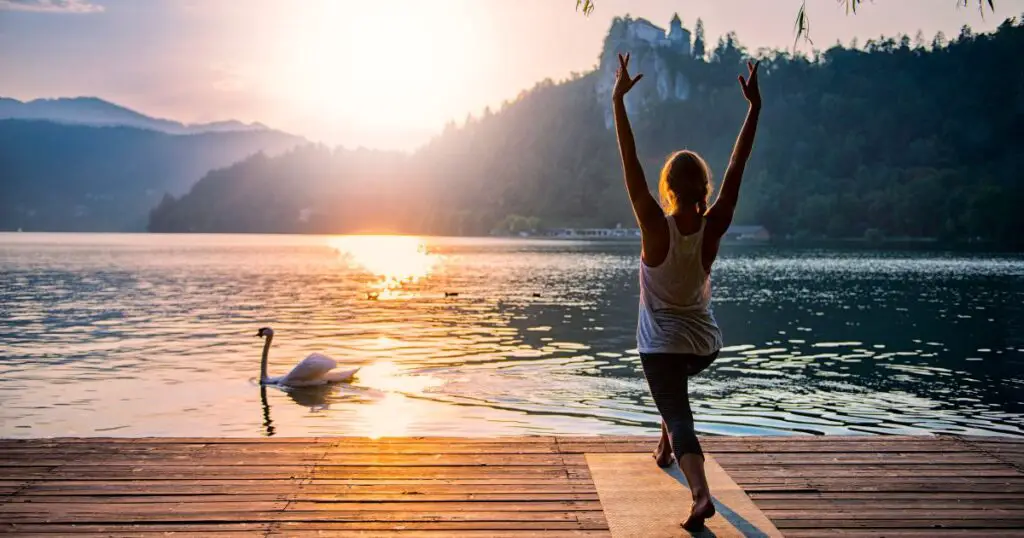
59 177
898 137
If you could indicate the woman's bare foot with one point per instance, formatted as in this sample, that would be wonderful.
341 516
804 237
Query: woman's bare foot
701 510
663 455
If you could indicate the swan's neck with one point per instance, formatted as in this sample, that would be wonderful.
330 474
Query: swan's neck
263 363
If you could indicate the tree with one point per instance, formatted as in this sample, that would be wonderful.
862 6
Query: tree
966 33
699 45
729 51
919 43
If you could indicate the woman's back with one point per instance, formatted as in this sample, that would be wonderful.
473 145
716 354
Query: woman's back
675 296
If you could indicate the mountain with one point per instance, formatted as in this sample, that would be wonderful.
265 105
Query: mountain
72 177
310 189
97 112
900 138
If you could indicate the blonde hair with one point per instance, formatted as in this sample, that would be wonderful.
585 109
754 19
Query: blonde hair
685 180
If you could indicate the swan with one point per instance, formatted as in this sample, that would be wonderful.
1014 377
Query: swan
316 369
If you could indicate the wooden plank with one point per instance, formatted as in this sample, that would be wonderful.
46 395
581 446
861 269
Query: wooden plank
285 470
850 471
202 497
243 505
279 461
584 523
438 507
906 515
203 529
412 529
531 482
517 486
936 495
894 521
318 487
907 533
215 515
772 507
852 458
489 533
990 439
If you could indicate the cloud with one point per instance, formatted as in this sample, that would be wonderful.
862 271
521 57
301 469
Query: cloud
51 6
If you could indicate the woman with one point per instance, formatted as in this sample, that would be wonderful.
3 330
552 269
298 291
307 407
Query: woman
677 335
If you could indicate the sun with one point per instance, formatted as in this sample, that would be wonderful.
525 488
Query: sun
382 65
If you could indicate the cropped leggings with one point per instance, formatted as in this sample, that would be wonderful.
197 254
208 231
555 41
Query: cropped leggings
668 375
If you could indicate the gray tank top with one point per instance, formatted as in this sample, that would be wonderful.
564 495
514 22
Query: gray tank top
675 300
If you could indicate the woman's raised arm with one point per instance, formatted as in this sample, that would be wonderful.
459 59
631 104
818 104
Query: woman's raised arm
648 213
721 212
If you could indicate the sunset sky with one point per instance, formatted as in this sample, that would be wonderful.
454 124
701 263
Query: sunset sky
380 73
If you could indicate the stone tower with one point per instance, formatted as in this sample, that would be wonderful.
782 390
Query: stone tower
679 36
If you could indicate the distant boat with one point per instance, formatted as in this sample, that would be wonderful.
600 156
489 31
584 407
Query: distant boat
19 229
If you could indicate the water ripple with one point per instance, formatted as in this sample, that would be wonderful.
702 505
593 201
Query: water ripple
133 335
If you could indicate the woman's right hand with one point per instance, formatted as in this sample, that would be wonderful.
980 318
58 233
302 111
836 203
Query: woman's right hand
623 83
749 86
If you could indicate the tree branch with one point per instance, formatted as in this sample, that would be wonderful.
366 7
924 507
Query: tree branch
802 26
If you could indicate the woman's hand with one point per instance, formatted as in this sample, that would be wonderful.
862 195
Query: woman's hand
622 81
749 86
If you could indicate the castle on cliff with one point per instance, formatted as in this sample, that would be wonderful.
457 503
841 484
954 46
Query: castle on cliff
664 57
677 37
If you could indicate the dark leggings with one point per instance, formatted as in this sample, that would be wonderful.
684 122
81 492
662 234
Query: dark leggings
667 374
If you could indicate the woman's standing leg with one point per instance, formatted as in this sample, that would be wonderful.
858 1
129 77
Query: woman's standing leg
667 376
663 454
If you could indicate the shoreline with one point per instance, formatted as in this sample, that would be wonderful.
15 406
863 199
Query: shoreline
852 244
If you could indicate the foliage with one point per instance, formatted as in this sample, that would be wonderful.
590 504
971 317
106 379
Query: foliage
699 43
803 22
516 224
854 143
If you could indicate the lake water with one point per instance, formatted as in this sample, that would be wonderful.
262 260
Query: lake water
137 335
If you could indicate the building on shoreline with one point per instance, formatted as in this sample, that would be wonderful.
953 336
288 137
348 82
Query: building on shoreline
591 233
754 233
747 233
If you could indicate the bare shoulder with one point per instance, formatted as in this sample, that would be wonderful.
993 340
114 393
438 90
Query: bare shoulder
714 229
654 237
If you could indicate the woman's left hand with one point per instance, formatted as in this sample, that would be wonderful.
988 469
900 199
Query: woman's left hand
622 81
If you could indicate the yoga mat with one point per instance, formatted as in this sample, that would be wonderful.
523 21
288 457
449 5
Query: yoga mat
640 499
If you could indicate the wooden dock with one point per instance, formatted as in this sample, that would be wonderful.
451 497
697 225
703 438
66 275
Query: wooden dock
526 486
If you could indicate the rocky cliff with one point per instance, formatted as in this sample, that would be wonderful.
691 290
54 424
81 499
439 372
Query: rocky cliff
663 57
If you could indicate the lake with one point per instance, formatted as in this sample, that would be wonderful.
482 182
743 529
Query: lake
139 335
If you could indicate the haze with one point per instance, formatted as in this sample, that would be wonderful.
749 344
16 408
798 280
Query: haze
382 74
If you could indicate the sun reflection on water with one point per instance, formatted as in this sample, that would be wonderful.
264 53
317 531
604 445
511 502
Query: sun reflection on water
389 377
395 260
398 409
105 333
